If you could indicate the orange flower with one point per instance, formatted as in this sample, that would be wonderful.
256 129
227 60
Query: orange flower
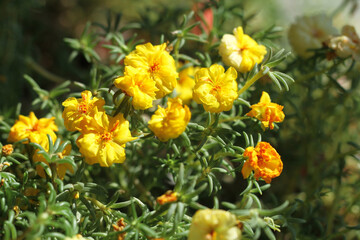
167 197
33 128
263 160
119 226
267 112
7 149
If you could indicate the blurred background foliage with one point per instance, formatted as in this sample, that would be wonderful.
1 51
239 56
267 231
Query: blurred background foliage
32 32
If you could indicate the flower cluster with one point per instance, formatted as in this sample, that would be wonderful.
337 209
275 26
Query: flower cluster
241 51
267 112
263 160
150 73
315 32
102 138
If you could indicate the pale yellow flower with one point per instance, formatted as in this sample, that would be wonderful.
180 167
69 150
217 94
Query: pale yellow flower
186 83
140 86
348 44
263 160
157 62
213 224
310 32
34 129
78 112
105 141
241 51
215 89
170 122
61 168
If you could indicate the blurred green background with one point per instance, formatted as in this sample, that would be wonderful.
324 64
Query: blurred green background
32 33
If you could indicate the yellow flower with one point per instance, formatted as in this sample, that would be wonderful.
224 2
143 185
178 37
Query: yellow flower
267 112
263 160
158 63
167 197
32 128
214 89
138 85
310 32
213 224
104 143
60 168
186 83
170 122
241 51
78 112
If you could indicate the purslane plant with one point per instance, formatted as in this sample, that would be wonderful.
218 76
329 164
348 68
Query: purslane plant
150 74
147 159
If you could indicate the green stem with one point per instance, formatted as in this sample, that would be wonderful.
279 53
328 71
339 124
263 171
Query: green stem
263 71
42 71
176 49
101 206
332 214
141 188
231 119
54 174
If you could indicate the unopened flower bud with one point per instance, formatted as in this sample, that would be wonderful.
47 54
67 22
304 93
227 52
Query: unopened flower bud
7 150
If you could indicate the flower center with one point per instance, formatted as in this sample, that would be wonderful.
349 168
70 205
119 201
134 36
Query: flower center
317 33
211 235
155 67
83 107
106 137
139 83
34 128
216 89
243 48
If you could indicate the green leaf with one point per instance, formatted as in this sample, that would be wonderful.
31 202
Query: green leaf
274 79
180 179
45 167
